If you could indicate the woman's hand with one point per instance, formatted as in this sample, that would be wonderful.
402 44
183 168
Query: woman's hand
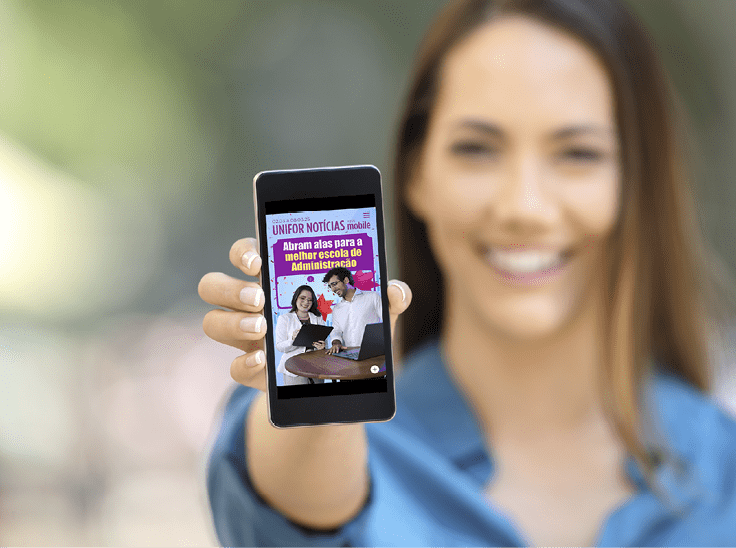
294 334
282 463
319 345
243 326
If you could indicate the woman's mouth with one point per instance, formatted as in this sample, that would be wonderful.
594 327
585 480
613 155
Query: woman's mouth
526 265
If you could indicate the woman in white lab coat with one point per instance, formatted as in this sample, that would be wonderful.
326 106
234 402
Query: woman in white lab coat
303 310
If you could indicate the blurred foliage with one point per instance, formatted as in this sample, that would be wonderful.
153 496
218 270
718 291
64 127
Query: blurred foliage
90 82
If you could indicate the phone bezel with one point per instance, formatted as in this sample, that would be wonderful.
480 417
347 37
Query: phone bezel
315 183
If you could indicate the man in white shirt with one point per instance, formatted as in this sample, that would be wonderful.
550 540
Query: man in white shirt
356 309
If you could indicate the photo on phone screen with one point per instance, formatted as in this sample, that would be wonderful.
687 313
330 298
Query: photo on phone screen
323 264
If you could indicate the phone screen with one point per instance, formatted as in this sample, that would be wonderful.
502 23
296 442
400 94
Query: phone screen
324 269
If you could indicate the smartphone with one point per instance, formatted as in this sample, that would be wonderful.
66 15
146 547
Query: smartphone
322 243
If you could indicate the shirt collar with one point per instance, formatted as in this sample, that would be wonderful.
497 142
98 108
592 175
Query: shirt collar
357 292
449 425
447 422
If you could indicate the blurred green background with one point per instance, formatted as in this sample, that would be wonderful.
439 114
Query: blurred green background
130 132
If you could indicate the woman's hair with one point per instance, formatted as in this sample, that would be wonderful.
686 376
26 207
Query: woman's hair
313 309
659 290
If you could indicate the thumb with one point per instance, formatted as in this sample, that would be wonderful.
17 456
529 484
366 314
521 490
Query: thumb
399 299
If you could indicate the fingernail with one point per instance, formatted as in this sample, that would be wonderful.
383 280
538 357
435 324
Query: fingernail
251 295
256 359
249 257
403 293
252 325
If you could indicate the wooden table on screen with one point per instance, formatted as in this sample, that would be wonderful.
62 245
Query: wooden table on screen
320 365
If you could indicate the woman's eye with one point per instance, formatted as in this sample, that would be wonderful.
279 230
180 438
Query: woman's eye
473 149
582 155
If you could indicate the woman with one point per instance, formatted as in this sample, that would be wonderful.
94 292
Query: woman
303 310
554 392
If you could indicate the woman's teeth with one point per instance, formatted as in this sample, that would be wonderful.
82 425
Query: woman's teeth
524 262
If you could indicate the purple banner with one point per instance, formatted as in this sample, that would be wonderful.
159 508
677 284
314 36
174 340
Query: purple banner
320 254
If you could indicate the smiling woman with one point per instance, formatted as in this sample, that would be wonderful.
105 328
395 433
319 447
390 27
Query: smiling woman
303 311
554 168
554 389
517 184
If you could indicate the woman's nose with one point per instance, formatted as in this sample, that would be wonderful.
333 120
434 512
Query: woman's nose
524 201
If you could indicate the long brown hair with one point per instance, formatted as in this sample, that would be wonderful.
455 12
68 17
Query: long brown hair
660 292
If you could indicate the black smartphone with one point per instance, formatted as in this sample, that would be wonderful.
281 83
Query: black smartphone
321 239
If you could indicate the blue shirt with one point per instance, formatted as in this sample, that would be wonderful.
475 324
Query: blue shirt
429 466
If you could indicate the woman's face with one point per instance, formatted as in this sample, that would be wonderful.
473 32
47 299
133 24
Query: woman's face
518 181
304 301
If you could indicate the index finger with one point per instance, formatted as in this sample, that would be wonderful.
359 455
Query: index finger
244 255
